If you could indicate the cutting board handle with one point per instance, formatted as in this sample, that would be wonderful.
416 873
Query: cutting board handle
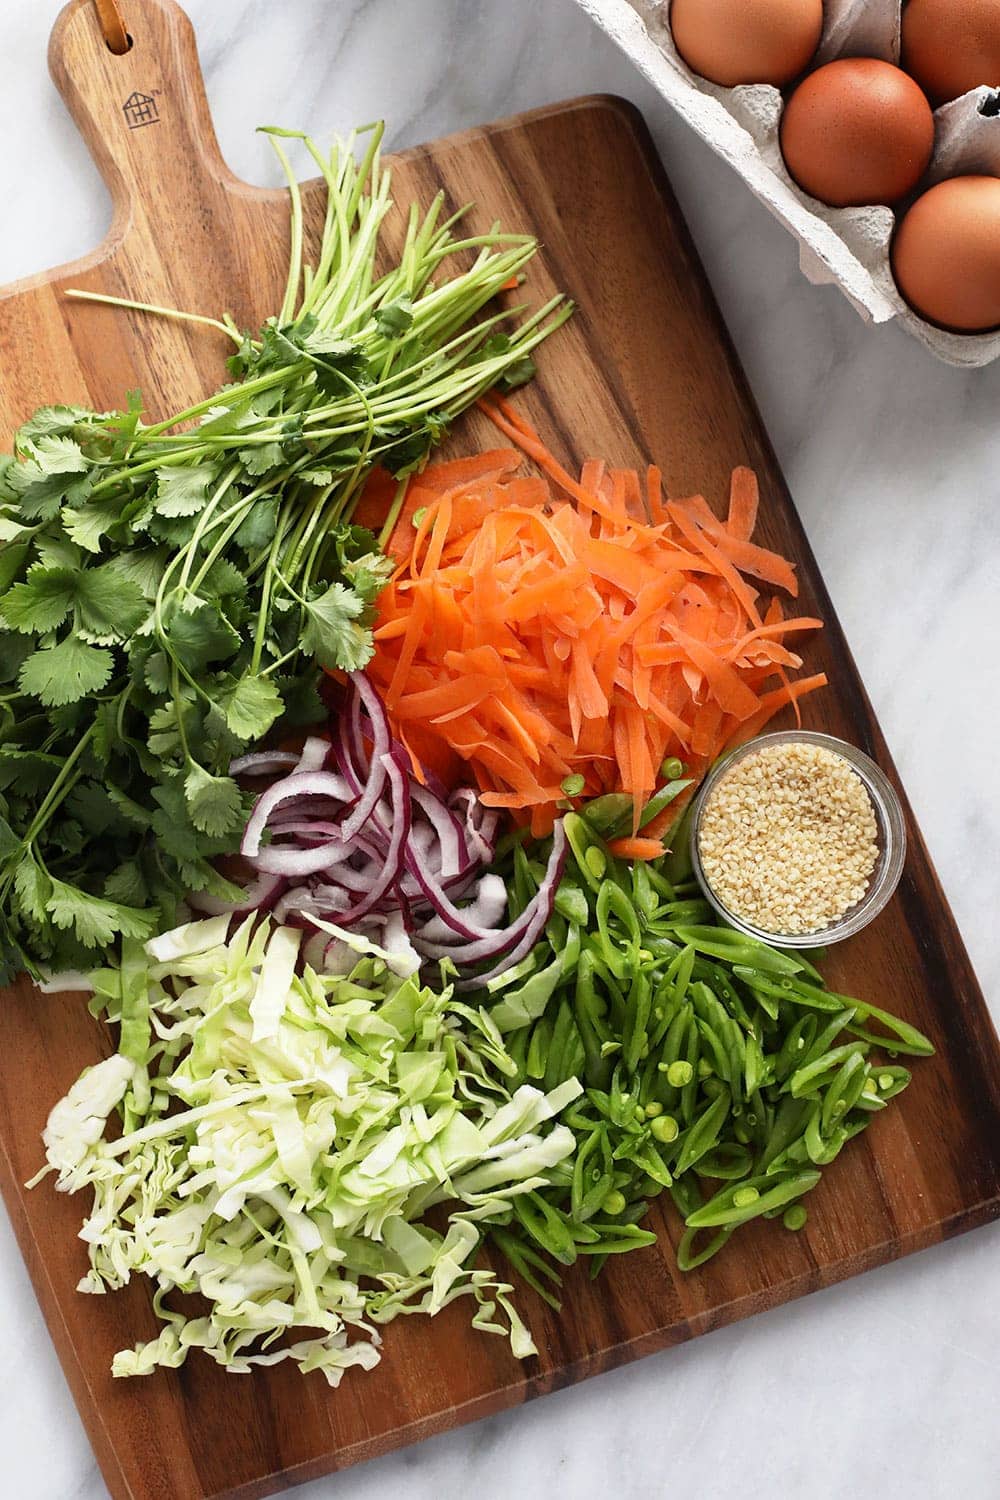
143 114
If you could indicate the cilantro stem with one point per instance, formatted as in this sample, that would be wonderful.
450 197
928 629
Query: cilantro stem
148 307
399 499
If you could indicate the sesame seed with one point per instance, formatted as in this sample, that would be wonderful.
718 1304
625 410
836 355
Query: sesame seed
788 838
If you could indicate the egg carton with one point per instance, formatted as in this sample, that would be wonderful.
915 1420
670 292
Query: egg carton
846 247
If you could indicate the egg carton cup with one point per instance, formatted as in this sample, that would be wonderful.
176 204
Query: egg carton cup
845 247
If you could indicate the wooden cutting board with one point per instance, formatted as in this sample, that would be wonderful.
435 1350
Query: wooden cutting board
645 370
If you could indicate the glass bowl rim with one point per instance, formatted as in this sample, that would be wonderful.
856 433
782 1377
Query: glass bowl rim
889 817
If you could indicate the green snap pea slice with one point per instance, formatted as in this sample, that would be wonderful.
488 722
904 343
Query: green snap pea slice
723 1210
703 1133
538 1048
734 948
902 1036
844 1090
529 1265
689 1259
818 1073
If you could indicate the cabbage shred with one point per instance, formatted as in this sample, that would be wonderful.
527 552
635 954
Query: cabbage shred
281 1138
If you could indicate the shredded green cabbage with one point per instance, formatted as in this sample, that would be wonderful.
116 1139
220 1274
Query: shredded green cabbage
282 1138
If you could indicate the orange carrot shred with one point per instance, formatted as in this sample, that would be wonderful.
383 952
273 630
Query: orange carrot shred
540 626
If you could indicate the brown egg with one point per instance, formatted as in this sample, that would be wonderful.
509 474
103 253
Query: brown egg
951 46
747 41
946 254
857 131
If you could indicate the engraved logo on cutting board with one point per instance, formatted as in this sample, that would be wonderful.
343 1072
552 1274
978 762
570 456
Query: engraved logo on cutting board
141 109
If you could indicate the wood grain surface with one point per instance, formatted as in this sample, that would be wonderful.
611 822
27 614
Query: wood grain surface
644 371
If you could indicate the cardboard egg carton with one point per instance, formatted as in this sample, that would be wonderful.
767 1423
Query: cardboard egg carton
848 247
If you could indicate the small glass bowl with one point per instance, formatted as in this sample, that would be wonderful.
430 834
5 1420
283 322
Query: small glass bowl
891 827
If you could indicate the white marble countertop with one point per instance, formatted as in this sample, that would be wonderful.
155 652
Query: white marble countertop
891 1382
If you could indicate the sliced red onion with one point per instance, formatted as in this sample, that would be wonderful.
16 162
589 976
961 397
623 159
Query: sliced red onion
315 753
299 784
397 841
540 907
297 861
262 762
381 748
484 912
368 848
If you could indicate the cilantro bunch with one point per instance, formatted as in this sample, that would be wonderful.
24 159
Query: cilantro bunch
168 591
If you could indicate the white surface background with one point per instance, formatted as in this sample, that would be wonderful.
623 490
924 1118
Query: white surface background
889 1384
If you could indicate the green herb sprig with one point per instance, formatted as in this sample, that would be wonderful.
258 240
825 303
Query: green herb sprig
167 589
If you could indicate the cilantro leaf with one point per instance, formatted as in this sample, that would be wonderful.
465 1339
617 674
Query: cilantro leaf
109 604
224 579
143 565
12 561
182 489
54 453
395 318
127 885
10 844
94 921
65 672
201 635
32 887
368 575
42 602
251 705
332 631
13 650
215 802
88 525
156 672
51 420
29 771
262 458
258 526
91 804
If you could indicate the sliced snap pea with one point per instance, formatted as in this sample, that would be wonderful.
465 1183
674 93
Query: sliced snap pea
789 1125
637 1010
692 1056
890 1080
617 1239
686 1194
727 1161
644 898
796 1045
724 1211
822 1148
591 1023
546 1226
663 798
795 992
610 815
825 1038
844 1090
571 902
529 1265
902 1037
538 1048
562 1062
734 948
689 1259
817 1074
703 1133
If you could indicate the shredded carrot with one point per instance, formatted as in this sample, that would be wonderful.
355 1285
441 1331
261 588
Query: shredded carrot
544 626
636 848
